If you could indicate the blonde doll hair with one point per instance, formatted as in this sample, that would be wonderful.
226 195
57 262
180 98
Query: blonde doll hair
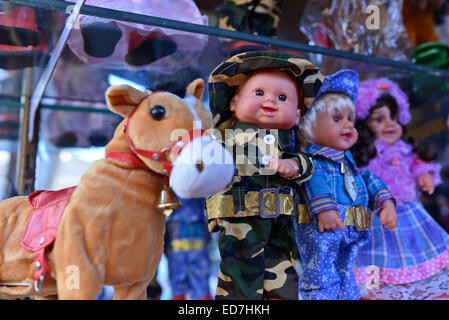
327 103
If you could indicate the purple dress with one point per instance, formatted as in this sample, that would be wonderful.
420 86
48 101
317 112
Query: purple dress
419 248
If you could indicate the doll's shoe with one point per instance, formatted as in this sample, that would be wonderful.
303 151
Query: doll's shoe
178 297
152 48
100 38
206 297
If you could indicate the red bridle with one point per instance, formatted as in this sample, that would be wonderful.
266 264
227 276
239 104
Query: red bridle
161 156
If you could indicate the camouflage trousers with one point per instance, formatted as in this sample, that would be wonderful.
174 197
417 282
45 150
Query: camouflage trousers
260 17
257 259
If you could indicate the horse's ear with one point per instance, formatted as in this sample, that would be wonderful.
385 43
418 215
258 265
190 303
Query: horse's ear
195 88
122 99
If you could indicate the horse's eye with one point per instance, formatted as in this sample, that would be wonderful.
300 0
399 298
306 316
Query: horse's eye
158 112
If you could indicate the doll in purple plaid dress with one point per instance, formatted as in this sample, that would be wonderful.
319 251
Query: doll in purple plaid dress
333 219
415 259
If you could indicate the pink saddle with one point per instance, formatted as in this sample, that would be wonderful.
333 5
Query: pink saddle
42 227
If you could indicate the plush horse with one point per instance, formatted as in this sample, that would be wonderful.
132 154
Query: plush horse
111 230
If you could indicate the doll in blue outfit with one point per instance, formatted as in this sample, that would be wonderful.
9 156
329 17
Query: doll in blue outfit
186 249
333 219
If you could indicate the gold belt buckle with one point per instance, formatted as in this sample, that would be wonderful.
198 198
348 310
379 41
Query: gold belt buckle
362 217
262 205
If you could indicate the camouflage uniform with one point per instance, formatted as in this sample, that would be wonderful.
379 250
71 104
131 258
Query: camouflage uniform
260 17
257 245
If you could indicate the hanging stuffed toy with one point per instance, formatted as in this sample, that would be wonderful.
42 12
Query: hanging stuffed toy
121 44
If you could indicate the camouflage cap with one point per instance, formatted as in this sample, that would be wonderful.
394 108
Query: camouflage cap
225 79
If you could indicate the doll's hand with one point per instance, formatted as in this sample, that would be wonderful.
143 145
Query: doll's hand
287 168
329 220
426 183
388 215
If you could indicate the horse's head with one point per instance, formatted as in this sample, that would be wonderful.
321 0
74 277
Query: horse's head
169 135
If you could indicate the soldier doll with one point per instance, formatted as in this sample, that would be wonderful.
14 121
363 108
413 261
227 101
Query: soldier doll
256 99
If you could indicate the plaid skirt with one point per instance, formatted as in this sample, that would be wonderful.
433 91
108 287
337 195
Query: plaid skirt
416 250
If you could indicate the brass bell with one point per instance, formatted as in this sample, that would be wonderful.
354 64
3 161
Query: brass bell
168 201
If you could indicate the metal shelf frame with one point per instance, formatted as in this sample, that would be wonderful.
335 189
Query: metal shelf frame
190 27
27 153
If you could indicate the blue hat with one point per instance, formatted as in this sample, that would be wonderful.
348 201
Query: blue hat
344 81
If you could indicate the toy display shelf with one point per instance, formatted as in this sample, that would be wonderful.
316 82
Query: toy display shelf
217 32
399 66
426 85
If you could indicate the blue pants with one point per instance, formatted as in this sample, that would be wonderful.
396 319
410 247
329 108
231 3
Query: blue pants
188 264
189 272
328 259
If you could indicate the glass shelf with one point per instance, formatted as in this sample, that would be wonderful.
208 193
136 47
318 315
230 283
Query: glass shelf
75 123
74 98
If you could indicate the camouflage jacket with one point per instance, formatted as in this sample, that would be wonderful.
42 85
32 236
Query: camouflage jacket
251 147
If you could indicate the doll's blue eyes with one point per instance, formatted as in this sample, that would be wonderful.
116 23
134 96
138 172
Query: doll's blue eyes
339 117
258 93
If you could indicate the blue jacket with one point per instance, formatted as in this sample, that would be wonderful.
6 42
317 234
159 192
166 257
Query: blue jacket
326 189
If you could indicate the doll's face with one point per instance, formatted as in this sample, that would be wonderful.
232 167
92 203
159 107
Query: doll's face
384 126
335 129
268 99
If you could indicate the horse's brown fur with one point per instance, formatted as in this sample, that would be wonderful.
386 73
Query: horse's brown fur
110 233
